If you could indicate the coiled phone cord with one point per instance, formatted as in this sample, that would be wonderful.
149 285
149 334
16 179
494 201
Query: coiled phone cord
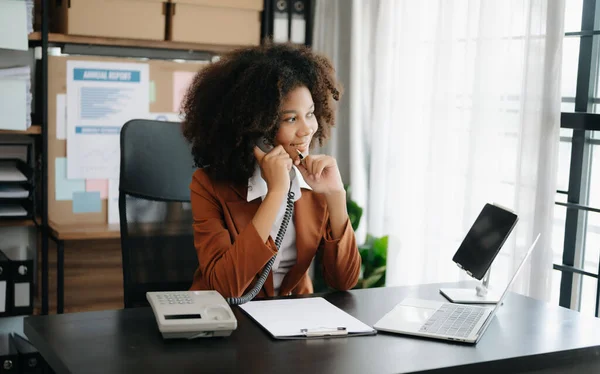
265 273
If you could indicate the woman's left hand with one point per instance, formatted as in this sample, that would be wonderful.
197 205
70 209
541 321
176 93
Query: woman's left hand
321 173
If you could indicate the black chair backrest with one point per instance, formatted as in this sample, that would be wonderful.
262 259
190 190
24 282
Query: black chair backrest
157 241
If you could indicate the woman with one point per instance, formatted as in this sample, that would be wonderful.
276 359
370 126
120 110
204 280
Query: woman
285 95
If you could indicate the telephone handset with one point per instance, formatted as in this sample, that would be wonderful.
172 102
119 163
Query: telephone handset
266 146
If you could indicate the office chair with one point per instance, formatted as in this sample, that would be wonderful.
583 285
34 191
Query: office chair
157 242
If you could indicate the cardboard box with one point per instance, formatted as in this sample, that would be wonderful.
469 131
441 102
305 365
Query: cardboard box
134 19
227 22
237 4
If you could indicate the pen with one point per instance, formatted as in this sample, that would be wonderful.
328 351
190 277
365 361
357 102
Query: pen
324 332
300 156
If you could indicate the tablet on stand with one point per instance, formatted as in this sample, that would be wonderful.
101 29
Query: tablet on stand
477 253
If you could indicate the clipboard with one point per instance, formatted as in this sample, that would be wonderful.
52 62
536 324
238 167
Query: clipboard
305 318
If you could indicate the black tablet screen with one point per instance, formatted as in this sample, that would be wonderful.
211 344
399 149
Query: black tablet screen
484 240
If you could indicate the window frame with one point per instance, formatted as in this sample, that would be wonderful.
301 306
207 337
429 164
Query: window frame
582 121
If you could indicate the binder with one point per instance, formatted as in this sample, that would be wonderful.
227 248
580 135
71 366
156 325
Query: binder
29 359
5 287
8 355
21 281
298 29
281 21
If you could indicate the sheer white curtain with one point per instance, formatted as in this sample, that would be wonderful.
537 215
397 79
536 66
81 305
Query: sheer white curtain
331 37
454 104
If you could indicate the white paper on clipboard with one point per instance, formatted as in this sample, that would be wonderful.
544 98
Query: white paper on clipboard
303 318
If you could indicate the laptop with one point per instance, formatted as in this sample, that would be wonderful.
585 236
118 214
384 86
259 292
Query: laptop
444 321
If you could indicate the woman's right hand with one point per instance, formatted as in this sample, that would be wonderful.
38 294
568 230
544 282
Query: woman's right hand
275 167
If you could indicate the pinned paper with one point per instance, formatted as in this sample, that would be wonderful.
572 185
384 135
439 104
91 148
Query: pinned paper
100 185
181 82
152 92
86 202
101 98
65 187
61 116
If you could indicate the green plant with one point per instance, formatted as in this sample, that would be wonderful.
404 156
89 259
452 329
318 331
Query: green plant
354 213
373 254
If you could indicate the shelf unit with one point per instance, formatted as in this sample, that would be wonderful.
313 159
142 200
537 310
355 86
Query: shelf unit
63 39
21 222
33 130
96 46
115 47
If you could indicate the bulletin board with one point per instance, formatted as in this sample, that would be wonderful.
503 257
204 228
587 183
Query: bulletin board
168 80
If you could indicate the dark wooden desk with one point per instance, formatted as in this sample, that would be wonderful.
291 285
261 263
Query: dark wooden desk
61 233
526 336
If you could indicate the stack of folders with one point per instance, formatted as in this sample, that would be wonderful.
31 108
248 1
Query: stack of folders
16 285
15 98
16 22
29 4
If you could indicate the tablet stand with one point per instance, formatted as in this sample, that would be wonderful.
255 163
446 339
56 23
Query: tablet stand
481 294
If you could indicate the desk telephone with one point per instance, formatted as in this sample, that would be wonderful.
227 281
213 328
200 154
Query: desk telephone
195 314
192 314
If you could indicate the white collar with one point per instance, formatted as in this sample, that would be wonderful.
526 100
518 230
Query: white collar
257 186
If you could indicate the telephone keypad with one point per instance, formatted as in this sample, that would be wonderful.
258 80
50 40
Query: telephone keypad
174 298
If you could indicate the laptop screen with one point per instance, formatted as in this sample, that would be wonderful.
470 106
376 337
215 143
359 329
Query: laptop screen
484 240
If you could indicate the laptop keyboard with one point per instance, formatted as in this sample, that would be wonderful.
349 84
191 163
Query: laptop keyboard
453 320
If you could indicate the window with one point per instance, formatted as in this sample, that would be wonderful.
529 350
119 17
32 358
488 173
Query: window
576 238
